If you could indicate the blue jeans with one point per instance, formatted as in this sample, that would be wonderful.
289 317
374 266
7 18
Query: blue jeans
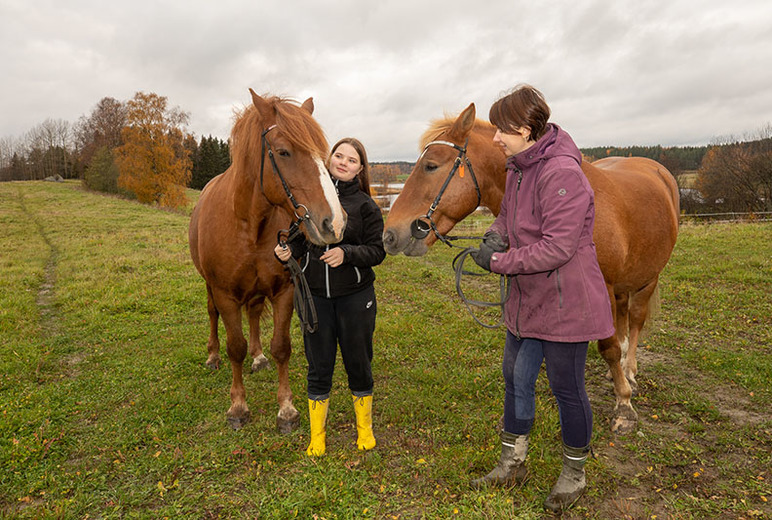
565 370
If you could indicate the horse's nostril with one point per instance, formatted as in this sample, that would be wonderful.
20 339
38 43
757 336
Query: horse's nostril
327 226
388 237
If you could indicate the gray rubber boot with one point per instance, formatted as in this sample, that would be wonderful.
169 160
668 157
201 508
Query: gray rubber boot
571 483
511 467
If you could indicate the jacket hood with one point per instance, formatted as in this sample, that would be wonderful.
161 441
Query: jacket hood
554 143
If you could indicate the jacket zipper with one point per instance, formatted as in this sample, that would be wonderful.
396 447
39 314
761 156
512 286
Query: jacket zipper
517 244
327 274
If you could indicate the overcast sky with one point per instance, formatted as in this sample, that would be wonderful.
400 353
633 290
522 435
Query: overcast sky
669 72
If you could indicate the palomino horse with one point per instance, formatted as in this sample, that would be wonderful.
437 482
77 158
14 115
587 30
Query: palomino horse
636 224
277 175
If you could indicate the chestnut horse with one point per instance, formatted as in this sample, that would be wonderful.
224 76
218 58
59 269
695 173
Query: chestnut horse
636 224
277 175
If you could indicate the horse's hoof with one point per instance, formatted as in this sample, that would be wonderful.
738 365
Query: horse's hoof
633 385
287 424
260 362
625 421
213 364
237 422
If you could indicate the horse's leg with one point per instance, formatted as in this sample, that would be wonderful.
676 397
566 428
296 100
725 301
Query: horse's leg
625 418
236 346
639 310
254 311
621 326
281 349
213 344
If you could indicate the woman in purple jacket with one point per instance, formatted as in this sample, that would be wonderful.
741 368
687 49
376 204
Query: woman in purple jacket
542 238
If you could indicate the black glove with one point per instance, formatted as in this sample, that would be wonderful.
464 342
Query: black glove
482 256
495 241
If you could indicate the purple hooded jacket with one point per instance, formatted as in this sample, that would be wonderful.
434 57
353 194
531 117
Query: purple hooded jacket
558 292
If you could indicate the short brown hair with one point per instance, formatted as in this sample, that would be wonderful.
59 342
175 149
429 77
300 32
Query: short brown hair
524 107
364 175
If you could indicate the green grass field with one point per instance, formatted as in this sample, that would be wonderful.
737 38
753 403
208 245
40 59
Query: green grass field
107 409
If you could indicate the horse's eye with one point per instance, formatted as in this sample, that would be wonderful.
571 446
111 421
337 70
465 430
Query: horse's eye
283 153
430 167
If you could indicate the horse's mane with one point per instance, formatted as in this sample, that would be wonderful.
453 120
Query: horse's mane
295 123
438 127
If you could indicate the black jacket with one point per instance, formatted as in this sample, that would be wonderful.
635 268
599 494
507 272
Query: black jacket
362 246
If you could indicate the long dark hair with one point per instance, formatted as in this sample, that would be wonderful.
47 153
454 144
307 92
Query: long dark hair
364 175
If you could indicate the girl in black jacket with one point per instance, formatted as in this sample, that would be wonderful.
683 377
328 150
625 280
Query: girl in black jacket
341 279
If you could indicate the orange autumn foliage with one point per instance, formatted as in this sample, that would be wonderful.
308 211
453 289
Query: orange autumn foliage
153 163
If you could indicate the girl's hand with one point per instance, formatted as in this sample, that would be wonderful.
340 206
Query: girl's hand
333 257
283 253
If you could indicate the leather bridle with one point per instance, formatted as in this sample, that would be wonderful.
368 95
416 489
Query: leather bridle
420 227
302 299
265 145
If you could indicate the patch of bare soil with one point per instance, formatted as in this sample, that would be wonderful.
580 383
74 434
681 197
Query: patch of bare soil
683 456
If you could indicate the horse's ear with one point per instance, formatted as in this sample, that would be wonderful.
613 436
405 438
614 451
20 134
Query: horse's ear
465 122
308 105
261 104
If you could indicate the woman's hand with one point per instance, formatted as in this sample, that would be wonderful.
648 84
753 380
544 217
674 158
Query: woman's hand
282 252
333 257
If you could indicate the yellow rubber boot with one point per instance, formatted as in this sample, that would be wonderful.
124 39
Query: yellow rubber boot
363 408
317 414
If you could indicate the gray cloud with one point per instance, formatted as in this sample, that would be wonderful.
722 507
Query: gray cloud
615 73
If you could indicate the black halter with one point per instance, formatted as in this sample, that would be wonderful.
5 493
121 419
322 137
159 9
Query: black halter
266 145
421 226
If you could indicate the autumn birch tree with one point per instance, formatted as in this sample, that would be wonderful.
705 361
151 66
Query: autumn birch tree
153 163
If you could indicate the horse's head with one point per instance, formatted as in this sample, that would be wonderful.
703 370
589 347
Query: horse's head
448 182
289 170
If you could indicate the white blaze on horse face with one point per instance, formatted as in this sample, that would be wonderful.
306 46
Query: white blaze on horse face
331 194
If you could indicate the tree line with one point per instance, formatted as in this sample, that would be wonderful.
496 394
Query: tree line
138 148
141 148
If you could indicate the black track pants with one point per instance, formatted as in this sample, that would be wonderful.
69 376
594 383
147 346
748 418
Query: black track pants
348 321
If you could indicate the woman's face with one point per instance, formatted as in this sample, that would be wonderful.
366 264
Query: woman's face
345 163
515 143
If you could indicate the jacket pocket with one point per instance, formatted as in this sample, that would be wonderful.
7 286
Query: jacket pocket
558 287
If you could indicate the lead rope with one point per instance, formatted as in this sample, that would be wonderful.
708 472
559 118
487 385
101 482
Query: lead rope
302 299
504 288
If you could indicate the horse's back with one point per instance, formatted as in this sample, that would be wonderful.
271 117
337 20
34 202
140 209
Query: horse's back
636 224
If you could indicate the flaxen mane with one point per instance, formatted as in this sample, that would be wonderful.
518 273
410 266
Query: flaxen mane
438 126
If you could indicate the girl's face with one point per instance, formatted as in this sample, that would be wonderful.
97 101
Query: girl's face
345 163
515 143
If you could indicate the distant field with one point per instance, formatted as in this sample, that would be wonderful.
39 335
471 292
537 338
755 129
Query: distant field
687 179
107 409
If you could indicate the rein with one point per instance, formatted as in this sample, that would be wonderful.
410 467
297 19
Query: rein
301 297
505 285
